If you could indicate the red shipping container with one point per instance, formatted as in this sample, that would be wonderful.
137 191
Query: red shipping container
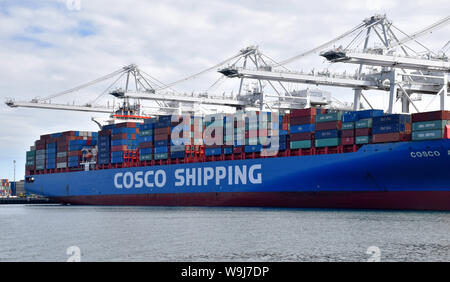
332 125
301 136
119 148
45 137
62 149
238 150
161 131
348 141
303 112
348 133
74 153
40 147
68 133
39 142
431 116
161 137
447 132
303 120
391 137
123 136
363 132
126 124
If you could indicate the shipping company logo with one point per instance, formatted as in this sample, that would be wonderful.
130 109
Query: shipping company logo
425 154
191 177
261 130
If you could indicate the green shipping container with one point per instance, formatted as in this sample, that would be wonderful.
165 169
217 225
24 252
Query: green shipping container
348 125
162 156
329 117
362 140
329 142
301 144
430 125
145 157
427 135
31 153
364 123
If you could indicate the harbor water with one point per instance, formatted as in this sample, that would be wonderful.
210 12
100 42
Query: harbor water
51 232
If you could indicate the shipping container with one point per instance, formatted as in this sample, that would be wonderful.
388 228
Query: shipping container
300 144
427 135
328 125
391 137
302 128
430 125
326 134
336 116
328 142
364 123
348 141
391 119
429 116
391 128
359 140
348 125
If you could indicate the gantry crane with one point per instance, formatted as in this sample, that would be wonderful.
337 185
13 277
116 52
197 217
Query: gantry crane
391 76
400 75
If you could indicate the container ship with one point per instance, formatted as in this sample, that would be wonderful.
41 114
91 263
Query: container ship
304 158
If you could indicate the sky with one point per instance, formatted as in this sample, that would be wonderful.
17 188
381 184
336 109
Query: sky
48 46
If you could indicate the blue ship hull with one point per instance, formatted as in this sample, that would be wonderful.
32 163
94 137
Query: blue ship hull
405 175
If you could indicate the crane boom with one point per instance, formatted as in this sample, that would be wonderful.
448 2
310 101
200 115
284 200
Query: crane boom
427 30
401 62
48 106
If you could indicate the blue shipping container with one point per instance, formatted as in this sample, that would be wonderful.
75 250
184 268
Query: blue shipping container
325 134
388 128
161 150
302 128
390 119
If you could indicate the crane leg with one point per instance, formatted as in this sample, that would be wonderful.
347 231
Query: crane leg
444 92
392 96
405 104
357 100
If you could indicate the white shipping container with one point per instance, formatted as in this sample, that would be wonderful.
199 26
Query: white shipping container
61 165
61 154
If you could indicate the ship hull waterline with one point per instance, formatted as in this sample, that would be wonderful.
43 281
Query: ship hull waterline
398 176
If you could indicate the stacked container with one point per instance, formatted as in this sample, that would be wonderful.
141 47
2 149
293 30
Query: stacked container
431 126
391 128
276 129
162 138
145 139
123 141
302 127
31 160
5 187
50 155
328 129
219 123
348 128
104 145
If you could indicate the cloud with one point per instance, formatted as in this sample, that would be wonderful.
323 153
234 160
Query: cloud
46 47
